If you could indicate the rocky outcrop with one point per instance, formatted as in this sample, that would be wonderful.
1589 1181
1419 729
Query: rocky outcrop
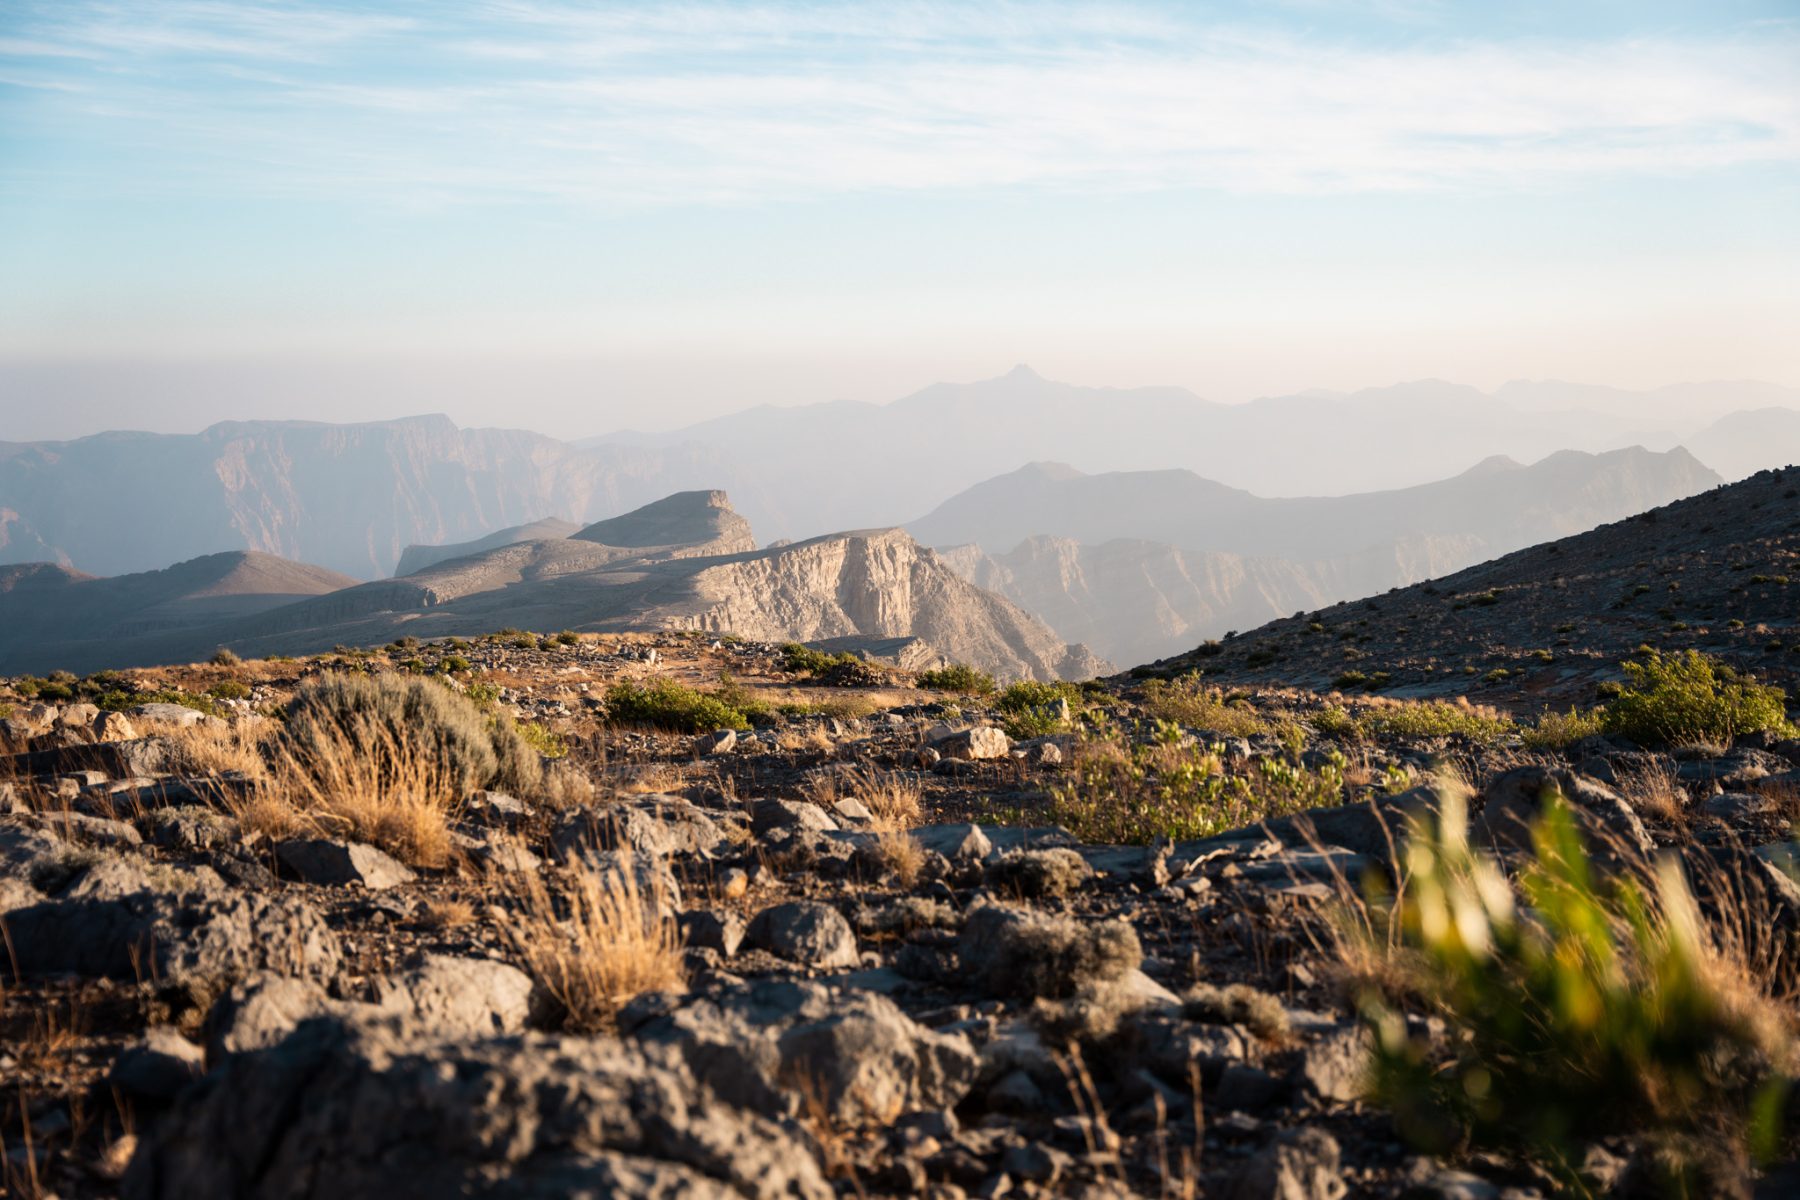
416 557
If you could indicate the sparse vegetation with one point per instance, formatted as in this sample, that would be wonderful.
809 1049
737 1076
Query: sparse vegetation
959 678
1188 701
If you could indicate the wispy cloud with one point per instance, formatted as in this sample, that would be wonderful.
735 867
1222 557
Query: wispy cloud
520 101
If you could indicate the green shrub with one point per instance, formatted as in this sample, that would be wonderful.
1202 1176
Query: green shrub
453 664
1688 698
542 739
1558 731
1127 792
473 749
1350 679
1437 718
1577 1012
671 705
481 692
229 689
960 678
1031 709
119 700
568 637
1188 701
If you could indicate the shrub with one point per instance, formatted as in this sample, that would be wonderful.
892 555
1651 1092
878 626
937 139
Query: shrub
119 701
797 659
1171 787
1192 703
960 678
453 664
1689 698
1437 718
1557 731
672 705
541 738
611 939
471 748
229 689
1581 1013
223 657
1032 709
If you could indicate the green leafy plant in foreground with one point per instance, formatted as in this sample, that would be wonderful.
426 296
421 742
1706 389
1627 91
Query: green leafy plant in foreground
1576 1010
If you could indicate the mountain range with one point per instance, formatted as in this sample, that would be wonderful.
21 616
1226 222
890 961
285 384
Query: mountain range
1140 565
688 561
353 498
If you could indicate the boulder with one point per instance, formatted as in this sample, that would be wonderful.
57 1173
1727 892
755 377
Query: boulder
331 862
462 997
1301 1164
1514 800
982 742
157 1067
1014 952
805 932
774 813
375 1109
656 826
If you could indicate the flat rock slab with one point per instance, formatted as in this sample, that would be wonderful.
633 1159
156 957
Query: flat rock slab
325 861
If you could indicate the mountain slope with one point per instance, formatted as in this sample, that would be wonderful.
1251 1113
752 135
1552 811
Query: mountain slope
1140 565
419 556
1743 443
692 565
51 616
1718 572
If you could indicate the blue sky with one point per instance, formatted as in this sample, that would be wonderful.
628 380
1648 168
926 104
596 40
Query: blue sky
648 213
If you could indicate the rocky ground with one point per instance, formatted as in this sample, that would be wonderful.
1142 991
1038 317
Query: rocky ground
977 1004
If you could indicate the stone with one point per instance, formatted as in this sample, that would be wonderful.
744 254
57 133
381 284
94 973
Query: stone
978 744
460 997
721 930
198 936
1334 1066
157 1067
330 862
776 1043
380 1108
1013 952
261 1009
179 715
655 826
1036 874
1514 800
77 716
958 843
1299 1165
774 813
115 727
806 932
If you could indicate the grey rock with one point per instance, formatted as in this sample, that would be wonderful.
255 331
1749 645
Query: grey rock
1245 1088
974 745
1012 952
720 741
806 932
1515 799
775 813
172 938
462 997
157 1067
330 862
1334 1066
1300 1165
958 843
657 826
721 930
766 1044
1035 874
529 1117
190 829
260 1010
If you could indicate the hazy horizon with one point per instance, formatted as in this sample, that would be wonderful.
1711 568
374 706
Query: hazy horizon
615 216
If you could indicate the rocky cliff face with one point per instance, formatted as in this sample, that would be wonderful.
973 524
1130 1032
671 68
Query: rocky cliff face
349 497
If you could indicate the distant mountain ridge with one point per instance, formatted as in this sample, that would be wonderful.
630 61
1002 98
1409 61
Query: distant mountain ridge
687 561
1138 564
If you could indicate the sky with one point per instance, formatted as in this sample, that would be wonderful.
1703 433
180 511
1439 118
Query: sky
581 217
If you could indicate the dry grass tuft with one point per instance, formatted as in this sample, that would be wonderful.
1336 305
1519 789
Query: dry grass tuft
1655 791
901 854
372 786
893 797
608 940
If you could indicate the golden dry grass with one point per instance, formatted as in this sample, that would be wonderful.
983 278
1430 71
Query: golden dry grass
1655 791
893 797
369 785
607 941
211 748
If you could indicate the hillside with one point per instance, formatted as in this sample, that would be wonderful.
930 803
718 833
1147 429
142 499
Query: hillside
50 615
1742 443
688 562
1141 565
1718 572
421 555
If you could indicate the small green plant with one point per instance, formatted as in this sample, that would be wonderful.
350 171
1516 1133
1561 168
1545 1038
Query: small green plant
229 689
671 705
1350 679
1435 719
568 637
1584 1011
1689 698
959 678
453 664
1558 731
541 738
1188 701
